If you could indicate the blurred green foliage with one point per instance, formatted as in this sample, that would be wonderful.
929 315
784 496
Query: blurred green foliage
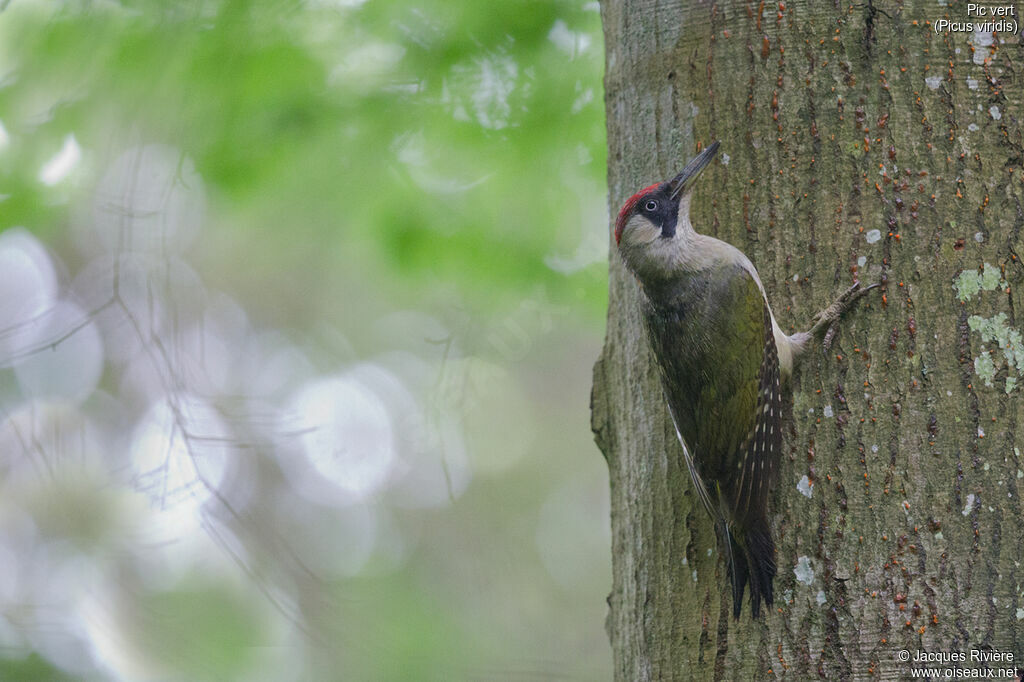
428 155
32 667
200 631
459 142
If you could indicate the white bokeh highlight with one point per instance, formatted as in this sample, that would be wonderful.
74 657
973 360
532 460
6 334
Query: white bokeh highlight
62 163
63 355
28 288
151 199
347 437
179 454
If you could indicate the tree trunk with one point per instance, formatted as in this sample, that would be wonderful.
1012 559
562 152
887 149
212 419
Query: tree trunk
857 143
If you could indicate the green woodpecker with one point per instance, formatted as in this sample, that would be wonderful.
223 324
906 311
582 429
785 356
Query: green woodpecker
723 360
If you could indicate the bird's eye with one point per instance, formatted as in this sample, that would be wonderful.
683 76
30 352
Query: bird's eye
651 205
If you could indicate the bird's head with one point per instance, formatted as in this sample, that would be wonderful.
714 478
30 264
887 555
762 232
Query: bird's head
650 218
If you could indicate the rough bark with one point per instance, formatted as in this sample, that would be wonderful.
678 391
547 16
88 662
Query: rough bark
835 121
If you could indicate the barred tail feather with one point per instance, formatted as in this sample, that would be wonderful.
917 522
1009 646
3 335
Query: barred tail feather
760 551
750 558
739 571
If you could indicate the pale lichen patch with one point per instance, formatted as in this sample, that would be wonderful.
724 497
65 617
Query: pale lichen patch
805 486
969 283
985 368
995 329
990 277
1009 340
804 572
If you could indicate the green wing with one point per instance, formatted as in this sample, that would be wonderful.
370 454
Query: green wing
716 350
725 414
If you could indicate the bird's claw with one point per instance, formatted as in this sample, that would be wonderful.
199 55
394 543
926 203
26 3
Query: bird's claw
830 334
827 321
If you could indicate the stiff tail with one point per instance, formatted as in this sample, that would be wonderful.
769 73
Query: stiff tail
750 555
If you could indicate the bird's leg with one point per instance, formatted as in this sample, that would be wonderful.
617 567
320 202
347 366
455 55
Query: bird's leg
826 323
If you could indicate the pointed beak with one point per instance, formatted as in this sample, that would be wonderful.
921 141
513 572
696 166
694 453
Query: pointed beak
688 175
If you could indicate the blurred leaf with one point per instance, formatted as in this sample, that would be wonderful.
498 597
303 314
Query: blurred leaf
34 668
448 142
203 631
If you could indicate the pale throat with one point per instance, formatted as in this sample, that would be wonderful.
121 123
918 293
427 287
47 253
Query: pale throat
658 258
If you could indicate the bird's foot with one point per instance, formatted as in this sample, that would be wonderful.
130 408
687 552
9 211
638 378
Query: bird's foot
827 321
